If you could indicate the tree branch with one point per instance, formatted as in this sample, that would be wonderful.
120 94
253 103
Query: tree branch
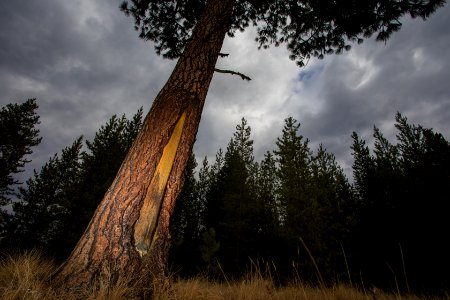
244 77
223 54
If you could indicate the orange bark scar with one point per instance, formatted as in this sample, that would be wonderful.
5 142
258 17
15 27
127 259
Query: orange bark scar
145 227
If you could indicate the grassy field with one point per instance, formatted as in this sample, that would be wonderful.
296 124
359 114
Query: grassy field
25 277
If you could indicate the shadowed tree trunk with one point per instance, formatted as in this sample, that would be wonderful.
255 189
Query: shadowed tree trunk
129 232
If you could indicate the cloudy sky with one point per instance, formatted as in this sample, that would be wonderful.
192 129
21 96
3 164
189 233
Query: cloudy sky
84 62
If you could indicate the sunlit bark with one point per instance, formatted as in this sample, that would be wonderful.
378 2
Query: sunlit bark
129 232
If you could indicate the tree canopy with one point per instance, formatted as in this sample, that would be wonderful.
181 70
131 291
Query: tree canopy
308 28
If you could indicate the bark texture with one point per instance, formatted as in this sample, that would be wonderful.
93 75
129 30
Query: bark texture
129 232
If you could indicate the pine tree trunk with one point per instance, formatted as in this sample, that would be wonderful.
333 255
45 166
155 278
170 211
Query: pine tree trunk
129 232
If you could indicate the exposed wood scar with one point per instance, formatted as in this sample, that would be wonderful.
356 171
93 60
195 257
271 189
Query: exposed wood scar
145 227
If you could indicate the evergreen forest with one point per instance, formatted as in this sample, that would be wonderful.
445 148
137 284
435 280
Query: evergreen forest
294 213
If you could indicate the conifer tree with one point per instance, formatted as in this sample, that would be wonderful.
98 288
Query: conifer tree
212 190
425 161
332 210
41 215
373 233
205 178
234 203
293 158
294 174
267 186
18 134
402 191
363 166
242 143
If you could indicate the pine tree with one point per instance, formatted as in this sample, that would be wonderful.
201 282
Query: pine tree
40 216
212 190
363 166
18 134
425 161
373 235
267 186
332 210
233 210
205 178
402 190
293 158
243 144
294 174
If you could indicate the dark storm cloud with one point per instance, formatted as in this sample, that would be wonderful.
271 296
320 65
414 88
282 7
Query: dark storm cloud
84 62
339 95
368 85
81 60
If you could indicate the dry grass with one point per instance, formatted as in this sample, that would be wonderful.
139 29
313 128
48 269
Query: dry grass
26 276
259 288
23 277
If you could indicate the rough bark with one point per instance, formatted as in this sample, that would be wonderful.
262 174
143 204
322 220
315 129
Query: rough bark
129 232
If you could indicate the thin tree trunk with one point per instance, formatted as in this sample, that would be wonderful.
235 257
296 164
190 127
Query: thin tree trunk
129 232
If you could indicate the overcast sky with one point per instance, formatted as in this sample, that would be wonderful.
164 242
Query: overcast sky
84 62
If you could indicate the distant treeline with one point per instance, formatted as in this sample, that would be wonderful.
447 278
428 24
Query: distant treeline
293 214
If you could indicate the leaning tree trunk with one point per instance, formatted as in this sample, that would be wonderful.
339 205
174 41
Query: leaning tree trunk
129 232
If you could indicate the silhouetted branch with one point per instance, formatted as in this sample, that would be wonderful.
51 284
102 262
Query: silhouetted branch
244 77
